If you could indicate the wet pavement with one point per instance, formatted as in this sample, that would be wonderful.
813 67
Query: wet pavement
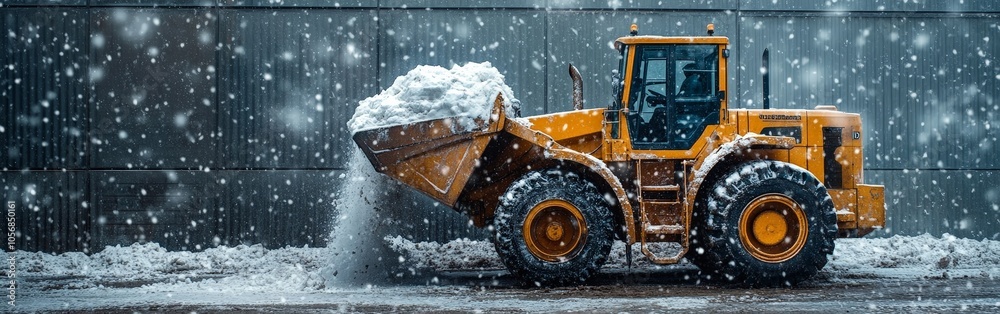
493 291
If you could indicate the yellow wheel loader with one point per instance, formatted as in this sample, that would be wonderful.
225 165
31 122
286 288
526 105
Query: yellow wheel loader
751 196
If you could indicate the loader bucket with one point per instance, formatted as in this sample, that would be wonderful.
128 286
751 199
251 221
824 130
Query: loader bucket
435 157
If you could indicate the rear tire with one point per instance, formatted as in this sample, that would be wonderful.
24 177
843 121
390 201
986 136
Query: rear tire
764 223
553 228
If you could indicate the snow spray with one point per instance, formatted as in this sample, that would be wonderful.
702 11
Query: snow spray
367 209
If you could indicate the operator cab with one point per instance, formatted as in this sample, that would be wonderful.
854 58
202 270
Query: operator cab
670 89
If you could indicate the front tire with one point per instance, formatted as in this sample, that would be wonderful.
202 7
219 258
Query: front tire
764 223
553 228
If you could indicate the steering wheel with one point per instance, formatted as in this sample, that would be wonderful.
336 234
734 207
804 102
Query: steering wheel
656 99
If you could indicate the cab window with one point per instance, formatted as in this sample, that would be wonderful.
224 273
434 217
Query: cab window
672 95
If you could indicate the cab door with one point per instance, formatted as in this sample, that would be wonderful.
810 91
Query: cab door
672 99
672 102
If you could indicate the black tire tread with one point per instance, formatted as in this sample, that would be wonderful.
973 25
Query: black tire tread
537 186
716 247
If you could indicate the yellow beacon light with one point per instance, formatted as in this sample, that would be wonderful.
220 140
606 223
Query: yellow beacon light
635 30
711 29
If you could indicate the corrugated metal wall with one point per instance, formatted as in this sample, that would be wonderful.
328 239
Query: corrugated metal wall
44 92
152 88
288 83
200 123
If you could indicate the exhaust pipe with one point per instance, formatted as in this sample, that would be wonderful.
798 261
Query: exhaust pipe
765 69
577 87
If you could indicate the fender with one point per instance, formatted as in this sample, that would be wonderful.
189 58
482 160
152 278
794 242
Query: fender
735 148
554 150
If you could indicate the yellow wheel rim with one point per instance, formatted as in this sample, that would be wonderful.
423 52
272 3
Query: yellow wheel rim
554 230
773 228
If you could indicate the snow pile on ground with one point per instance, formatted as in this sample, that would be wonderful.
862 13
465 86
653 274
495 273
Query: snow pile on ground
924 251
432 92
255 268
456 254
249 267
472 254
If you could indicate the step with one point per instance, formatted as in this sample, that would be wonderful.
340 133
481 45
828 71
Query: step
662 260
656 201
664 229
661 188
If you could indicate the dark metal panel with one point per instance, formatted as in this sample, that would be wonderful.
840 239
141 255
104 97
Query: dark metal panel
43 2
925 86
301 207
483 4
290 82
152 3
512 41
872 6
43 72
153 75
52 210
419 218
963 203
176 209
301 3
586 39
189 210
277 208
645 4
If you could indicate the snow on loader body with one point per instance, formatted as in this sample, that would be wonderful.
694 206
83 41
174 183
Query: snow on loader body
751 196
